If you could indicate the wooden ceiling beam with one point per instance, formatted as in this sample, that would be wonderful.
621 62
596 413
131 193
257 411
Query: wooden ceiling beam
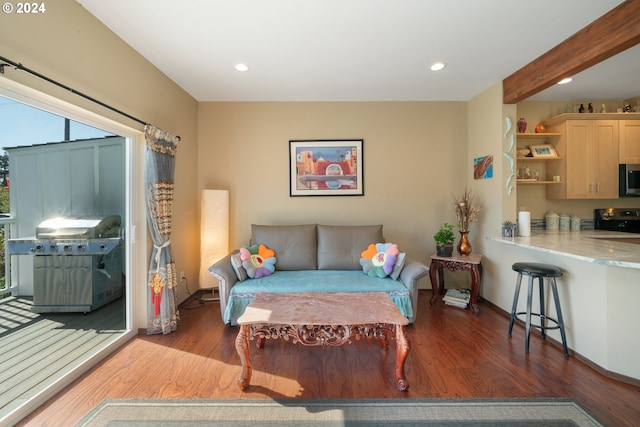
605 37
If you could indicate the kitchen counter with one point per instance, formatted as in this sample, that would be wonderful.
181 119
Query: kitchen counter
612 248
599 290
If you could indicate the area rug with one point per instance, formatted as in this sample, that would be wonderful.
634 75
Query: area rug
338 412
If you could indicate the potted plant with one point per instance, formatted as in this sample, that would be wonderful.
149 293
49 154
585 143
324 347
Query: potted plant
444 240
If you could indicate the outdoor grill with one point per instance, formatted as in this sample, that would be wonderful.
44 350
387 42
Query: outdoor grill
77 263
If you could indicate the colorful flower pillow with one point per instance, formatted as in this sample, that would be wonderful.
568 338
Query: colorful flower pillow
379 259
258 260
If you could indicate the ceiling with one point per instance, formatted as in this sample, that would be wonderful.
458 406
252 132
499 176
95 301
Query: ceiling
360 50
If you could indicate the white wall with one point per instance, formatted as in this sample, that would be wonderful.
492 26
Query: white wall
414 159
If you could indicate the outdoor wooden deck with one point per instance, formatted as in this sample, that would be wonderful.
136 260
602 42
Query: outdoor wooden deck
37 349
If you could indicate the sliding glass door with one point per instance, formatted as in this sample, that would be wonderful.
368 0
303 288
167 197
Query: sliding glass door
61 159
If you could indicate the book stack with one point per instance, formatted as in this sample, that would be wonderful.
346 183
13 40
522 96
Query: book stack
457 297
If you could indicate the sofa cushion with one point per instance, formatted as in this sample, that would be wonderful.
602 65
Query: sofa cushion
339 247
295 245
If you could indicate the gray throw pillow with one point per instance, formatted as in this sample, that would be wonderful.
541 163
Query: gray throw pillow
236 263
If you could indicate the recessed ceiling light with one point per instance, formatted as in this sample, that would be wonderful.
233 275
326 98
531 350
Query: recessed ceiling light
437 66
242 67
565 81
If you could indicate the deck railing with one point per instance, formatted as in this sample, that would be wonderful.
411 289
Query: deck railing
5 259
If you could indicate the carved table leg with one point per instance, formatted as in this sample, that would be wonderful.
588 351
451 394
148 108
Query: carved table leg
242 347
383 343
402 349
476 274
435 287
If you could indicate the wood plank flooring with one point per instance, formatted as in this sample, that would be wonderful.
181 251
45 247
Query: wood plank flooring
454 354
38 349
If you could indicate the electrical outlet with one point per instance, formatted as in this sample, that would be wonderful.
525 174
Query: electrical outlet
182 276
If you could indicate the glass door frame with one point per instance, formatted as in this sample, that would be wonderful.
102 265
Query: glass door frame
135 224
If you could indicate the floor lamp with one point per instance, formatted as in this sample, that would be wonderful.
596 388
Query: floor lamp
214 236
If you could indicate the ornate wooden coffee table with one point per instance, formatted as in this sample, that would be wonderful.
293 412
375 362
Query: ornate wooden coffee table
317 318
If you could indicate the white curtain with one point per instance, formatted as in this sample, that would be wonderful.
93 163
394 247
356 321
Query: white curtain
163 316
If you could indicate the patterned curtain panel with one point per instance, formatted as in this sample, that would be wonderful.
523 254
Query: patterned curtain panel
163 316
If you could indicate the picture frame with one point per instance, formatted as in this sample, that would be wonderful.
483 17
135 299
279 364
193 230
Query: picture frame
329 167
543 151
483 167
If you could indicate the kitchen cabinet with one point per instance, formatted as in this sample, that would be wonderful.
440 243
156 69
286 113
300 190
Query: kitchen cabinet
590 152
629 141
536 164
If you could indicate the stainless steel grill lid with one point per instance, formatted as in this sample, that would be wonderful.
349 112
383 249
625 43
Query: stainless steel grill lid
79 228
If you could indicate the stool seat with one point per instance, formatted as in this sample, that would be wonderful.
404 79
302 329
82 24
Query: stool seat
536 269
541 272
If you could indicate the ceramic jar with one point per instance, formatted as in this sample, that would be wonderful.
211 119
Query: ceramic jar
552 221
575 223
565 222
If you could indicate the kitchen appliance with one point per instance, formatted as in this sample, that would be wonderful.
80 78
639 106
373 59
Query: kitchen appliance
77 263
629 180
617 219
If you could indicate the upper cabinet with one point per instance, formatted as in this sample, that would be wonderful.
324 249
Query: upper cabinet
629 141
589 146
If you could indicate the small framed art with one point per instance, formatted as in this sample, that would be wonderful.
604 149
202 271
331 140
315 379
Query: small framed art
543 150
325 168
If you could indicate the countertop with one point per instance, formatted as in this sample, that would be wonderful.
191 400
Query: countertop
594 246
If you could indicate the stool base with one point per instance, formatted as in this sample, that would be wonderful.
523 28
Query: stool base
542 326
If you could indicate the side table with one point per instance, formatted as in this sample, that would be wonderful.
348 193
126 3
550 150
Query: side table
456 263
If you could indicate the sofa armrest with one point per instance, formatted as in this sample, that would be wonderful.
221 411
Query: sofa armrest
223 272
411 273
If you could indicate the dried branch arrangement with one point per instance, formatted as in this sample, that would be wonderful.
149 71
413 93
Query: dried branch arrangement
465 211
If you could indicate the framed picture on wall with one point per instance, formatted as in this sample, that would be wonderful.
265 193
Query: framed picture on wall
325 167
543 150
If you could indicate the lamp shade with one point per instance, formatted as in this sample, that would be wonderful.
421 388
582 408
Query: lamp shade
214 233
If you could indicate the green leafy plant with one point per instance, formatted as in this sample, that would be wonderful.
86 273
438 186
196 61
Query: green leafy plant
444 235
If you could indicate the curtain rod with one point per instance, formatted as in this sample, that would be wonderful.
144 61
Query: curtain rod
21 67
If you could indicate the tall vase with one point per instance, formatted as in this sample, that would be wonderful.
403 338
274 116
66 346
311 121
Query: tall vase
464 247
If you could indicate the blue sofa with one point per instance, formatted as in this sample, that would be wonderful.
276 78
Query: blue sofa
316 258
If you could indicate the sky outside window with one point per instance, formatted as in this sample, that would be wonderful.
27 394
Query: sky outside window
22 125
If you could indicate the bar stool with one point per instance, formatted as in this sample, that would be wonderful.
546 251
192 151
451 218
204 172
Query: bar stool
541 272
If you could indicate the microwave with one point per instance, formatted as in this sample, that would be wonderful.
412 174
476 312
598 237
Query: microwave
629 180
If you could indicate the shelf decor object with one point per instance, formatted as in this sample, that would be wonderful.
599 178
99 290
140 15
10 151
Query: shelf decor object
522 125
543 151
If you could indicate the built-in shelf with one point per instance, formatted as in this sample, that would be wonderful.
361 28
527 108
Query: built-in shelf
537 136
527 182
589 116
537 159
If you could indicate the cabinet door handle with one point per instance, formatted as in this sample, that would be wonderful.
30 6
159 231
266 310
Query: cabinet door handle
591 187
